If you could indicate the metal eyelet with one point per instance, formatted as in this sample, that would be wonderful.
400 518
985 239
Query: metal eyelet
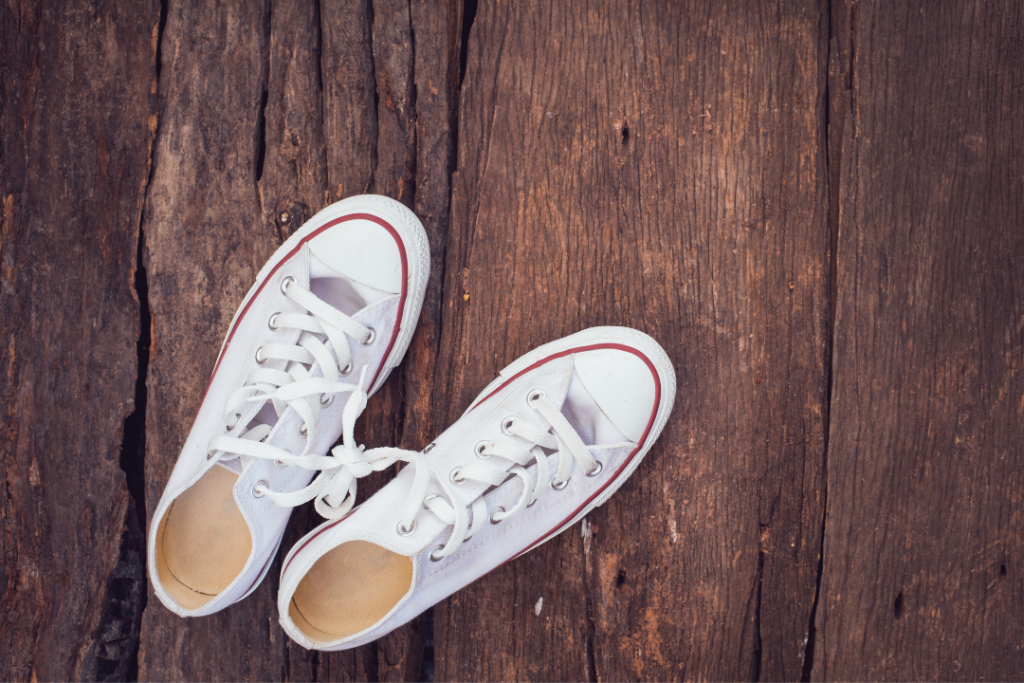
210 453
436 559
429 447
272 324
259 494
506 425
281 464
303 429
496 511
558 486
260 358
346 371
369 340
532 502
402 531
454 474
326 400
533 396
479 450
597 470
234 421
286 283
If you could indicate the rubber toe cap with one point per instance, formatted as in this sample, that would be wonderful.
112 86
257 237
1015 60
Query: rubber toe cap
623 386
362 250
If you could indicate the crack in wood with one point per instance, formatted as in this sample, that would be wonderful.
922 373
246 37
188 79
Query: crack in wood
113 655
542 218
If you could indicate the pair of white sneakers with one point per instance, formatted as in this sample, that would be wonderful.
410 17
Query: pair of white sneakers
329 317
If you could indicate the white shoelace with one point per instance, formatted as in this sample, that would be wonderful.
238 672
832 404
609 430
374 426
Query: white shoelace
513 459
334 488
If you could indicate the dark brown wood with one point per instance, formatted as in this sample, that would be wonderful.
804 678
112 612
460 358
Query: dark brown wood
747 182
924 554
72 171
660 166
231 181
205 240
413 156
349 99
293 177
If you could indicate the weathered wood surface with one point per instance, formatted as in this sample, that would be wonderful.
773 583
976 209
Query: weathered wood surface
226 190
924 540
620 175
73 169
204 239
815 207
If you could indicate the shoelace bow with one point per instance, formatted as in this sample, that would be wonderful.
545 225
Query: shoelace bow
335 487
511 459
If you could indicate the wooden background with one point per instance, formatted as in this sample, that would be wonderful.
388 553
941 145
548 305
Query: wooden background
816 206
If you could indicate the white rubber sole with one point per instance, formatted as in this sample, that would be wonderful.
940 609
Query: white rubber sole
417 252
602 335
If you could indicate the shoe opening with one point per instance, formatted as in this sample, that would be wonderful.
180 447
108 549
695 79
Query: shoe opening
203 541
348 590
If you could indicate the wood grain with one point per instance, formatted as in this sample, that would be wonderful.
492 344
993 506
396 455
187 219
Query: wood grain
923 545
815 206
233 179
205 240
660 166
292 177
72 170
350 96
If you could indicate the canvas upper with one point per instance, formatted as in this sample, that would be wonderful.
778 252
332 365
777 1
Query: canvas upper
352 580
353 279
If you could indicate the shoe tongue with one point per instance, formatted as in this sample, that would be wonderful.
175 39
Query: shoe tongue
554 377
318 269
566 390
587 418
342 291
232 464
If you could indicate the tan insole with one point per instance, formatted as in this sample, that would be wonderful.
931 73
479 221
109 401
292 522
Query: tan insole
203 541
349 589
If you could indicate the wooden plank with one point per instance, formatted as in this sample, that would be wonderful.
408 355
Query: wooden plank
414 157
72 167
436 75
205 240
923 547
660 166
291 124
336 74
349 96
293 177
398 654
373 146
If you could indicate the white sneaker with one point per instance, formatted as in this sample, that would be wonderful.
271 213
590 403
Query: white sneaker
545 443
330 315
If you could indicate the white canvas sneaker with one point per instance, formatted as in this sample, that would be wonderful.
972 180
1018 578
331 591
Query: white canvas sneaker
545 443
329 316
